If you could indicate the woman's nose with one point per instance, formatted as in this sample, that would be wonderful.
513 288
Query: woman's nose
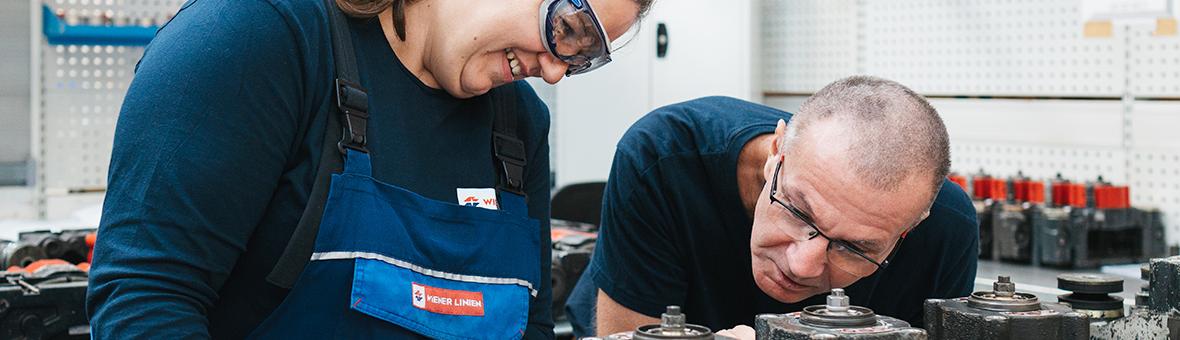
552 69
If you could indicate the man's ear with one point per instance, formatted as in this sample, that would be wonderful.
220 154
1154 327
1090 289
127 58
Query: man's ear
773 158
780 131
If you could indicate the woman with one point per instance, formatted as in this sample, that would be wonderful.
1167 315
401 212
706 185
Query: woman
240 110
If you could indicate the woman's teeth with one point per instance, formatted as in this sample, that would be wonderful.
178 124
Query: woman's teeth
514 64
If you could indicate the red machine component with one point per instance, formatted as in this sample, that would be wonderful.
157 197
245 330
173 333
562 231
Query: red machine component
986 187
998 190
90 239
1031 191
980 187
1111 196
959 179
1069 194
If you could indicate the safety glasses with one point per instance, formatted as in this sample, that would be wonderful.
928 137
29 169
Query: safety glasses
571 32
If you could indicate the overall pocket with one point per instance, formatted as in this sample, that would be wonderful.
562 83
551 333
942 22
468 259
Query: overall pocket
459 307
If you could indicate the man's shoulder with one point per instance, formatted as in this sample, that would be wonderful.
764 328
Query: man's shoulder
703 125
953 213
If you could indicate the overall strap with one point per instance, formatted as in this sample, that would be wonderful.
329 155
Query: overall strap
507 148
352 106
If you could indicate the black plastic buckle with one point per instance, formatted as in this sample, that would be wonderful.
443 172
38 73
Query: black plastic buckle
510 152
353 102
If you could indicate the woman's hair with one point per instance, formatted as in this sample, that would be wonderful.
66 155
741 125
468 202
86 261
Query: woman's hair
370 8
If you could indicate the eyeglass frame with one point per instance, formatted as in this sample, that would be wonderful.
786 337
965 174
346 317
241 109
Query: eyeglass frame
815 231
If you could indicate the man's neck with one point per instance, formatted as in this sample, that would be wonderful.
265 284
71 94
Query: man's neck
750 175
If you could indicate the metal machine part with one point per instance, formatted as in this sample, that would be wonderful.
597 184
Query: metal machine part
46 304
672 326
1054 230
1090 295
1012 234
19 254
1003 298
1164 281
1003 313
573 244
838 319
1156 314
983 212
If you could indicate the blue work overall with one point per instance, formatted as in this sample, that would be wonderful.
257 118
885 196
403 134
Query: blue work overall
388 263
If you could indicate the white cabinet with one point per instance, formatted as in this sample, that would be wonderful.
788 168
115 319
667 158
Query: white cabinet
710 51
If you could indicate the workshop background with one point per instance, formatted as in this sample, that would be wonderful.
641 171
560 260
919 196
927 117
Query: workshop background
1049 103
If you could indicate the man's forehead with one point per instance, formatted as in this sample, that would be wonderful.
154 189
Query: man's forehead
841 210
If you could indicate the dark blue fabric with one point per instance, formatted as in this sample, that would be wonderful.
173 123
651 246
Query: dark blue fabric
217 146
363 215
674 231
389 224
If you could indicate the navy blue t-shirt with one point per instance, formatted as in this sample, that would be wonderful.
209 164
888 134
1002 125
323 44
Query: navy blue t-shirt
217 147
675 232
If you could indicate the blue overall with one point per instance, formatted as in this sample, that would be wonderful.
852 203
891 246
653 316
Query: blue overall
389 264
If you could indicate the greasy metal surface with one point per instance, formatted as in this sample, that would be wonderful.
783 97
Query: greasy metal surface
1142 323
790 327
954 319
1042 281
632 335
673 326
1003 298
821 316
1165 284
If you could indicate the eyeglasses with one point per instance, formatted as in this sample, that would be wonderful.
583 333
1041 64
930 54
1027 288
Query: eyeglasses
572 33
841 254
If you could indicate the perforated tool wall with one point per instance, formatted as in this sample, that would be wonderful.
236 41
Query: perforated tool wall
1083 105
807 43
80 90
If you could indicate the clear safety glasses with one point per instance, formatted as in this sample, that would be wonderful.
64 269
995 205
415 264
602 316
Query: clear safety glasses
572 33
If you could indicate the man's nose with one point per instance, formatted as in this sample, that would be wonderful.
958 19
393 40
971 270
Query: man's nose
810 258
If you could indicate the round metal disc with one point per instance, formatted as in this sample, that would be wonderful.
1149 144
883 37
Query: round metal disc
1092 301
1018 302
688 332
1090 283
855 316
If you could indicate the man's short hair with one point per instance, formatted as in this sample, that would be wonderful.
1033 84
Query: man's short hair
895 132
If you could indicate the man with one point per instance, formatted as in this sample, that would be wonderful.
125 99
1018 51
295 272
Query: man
714 207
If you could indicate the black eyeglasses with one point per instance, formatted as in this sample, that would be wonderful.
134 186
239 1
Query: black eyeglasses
842 254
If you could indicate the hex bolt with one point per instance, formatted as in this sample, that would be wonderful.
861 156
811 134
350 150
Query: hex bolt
672 318
1004 287
837 301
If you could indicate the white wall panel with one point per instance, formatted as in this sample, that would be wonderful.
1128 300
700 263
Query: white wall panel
991 47
14 82
79 92
711 51
1084 123
1154 164
1154 63
807 44
593 110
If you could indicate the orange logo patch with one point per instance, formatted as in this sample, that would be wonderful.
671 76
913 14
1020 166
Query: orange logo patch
447 301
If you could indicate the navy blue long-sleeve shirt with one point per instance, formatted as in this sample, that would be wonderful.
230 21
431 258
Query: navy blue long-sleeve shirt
216 151
674 231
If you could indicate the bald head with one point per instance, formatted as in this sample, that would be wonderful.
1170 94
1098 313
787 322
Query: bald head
891 132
